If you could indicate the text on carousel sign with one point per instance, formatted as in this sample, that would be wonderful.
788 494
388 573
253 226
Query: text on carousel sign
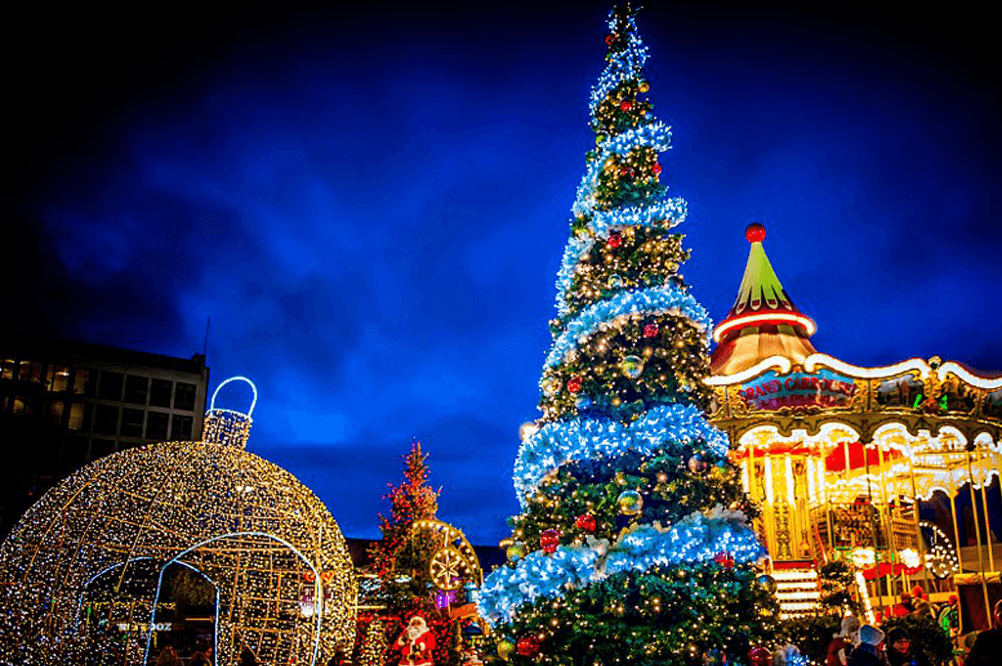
772 391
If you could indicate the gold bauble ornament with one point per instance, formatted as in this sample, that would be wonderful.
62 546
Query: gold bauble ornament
506 647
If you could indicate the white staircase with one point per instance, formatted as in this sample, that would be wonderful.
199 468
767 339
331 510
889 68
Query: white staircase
797 591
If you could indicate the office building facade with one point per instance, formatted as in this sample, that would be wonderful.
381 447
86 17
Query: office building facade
64 404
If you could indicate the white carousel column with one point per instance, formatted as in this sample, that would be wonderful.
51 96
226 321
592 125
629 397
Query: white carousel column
977 537
916 505
791 491
987 456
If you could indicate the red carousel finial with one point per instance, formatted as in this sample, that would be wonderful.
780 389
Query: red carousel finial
755 233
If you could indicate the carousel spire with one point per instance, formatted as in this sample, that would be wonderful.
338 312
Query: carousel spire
763 321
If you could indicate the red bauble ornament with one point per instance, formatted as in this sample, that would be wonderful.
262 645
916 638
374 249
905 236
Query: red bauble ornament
651 330
759 656
585 522
724 559
656 168
549 540
528 646
626 105
609 39
574 384
755 233
615 240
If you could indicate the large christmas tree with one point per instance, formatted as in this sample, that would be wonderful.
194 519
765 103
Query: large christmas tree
633 545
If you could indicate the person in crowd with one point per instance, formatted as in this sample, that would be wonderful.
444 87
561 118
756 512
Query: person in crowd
201 658
904 605
900 651
920 602
987 649
788 655
869 651
169 657
842 642
948 617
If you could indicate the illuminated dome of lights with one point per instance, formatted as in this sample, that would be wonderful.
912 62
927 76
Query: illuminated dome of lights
87 570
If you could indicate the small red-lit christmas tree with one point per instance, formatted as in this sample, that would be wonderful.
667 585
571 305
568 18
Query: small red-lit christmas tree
393 557
401 585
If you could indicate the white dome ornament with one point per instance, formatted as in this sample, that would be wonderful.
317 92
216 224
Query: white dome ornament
124 529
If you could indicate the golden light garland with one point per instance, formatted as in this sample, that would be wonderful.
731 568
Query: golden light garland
375 645
84 570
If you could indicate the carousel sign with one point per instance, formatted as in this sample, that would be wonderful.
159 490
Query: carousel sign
772 391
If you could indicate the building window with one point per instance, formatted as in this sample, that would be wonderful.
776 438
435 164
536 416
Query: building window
156 426
106 418
110 387
135 389
79 417
56 409
31 371
132 422
184 396
60 379
180 428
83 382
8 369
99 448
160 393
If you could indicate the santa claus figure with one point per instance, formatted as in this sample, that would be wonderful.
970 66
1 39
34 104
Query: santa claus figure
416 644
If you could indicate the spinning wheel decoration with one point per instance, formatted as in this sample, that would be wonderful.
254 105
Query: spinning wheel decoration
453 562
940 555
445 568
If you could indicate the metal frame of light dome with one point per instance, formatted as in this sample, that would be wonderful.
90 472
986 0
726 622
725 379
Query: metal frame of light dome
157 503
177 560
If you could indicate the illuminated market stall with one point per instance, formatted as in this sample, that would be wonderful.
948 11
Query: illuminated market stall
99 569
880 467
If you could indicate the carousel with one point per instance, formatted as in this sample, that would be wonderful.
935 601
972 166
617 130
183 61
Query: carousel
894 470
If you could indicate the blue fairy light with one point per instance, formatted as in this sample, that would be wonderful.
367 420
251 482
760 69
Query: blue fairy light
655 300
560 442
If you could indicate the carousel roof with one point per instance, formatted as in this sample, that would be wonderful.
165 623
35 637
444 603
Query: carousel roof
763 322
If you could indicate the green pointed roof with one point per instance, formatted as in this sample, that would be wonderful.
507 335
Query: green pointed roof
761 297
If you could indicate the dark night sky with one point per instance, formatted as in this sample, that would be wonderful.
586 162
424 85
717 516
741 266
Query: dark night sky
371 202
